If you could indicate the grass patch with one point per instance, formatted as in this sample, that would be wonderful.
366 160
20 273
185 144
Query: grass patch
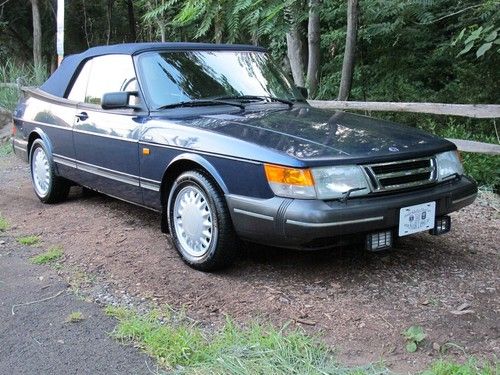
29 240
75 317
4 224
5 149
49 256
256 349
471 367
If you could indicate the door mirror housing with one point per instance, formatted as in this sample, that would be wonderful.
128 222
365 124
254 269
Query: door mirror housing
303 91
118 100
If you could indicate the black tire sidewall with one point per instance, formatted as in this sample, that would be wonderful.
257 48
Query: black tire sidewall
193 179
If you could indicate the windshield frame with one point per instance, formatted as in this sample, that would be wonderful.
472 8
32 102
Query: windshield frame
294 92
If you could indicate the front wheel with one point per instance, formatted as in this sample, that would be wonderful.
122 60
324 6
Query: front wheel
48 187
199 222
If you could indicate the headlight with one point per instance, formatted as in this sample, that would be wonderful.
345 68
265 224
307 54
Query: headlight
335 182
448 165
319 183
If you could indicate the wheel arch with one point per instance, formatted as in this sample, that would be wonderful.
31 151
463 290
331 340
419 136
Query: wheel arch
178 165
186 162
38 133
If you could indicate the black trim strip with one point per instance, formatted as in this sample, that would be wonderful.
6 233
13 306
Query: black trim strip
112 174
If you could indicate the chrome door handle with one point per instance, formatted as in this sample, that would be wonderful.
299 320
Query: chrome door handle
82 116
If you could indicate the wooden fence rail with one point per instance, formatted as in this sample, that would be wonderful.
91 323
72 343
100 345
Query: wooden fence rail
483 111
465 110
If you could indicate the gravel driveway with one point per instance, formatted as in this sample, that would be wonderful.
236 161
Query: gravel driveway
358 302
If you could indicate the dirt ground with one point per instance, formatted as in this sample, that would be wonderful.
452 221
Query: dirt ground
358 302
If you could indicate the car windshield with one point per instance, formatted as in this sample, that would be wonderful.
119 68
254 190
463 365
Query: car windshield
174 77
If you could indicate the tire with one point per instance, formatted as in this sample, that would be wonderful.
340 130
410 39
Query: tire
199 222
49 187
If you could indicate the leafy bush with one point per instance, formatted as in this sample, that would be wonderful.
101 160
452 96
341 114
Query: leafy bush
414 336
24 75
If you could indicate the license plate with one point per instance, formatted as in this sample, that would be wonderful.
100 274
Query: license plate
418 218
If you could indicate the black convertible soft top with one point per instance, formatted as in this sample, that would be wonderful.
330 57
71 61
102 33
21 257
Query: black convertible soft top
58 82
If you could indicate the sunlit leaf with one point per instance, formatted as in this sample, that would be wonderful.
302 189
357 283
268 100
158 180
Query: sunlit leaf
459 37
492 36
467 48
481 50
474 35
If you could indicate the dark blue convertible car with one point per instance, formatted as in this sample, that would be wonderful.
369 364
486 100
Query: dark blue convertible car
220 142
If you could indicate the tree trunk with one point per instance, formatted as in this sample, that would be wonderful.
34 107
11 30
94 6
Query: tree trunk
313 37
132 33
163 35
350 49
295 48
109 14
37 34
84 7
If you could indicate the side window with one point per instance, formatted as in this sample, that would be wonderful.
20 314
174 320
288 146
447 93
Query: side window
79 88
110 74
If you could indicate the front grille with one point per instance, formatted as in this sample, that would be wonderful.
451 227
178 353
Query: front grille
401 174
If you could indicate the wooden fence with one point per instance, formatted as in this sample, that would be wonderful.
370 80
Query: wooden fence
465 110
482 111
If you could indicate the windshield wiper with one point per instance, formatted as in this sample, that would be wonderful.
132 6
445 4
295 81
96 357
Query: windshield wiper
256 97
200 103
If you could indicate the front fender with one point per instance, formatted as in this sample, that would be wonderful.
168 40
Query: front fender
204 163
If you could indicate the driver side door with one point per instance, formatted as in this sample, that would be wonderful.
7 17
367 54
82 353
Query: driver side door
106 142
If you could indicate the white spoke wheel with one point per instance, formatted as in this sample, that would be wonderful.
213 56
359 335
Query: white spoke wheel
48 187
199 222
193 221
40 170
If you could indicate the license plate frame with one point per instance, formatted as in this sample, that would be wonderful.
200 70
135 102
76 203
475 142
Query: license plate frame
416 218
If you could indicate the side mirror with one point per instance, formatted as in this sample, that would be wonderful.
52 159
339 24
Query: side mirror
303 91
119 99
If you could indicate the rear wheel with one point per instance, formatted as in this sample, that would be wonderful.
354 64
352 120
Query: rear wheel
199 222
48 187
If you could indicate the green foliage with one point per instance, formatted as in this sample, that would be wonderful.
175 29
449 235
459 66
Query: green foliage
23 74
471 367
227 20
255 349
414 336
29 240
483 37
5 149
51 255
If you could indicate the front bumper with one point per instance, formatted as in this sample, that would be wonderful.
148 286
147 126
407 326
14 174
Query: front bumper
299 223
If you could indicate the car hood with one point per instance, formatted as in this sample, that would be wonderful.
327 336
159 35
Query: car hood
315 135
309 133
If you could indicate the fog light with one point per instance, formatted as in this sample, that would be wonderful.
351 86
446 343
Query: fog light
379 241
442 225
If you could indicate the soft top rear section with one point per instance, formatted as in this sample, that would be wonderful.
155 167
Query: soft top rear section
58 82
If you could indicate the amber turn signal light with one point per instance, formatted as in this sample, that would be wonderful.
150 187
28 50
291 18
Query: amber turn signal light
290 176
